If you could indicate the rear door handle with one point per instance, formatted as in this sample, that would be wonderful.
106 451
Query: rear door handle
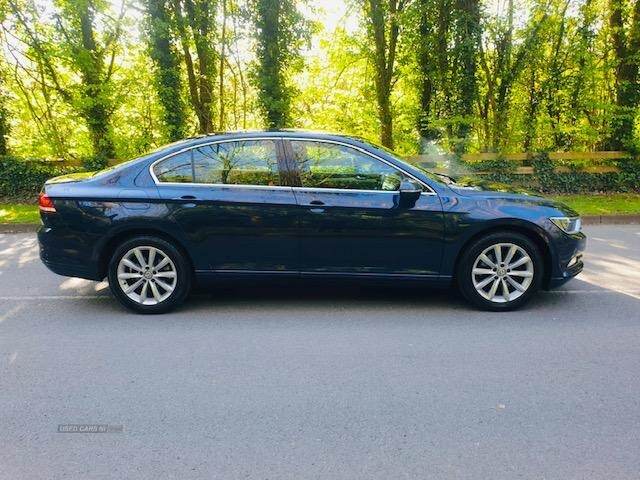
187 197
316 202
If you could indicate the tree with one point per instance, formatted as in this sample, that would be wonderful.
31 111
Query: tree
279 29
167 77
195 21
467 32
502 63
626 45
383 26
75 44
4 120
431 42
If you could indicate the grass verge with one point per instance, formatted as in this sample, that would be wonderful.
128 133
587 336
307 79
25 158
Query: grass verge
19 213
605 204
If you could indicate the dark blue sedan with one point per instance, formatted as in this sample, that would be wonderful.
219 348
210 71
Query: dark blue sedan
299 205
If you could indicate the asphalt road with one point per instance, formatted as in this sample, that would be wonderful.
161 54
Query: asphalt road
311 381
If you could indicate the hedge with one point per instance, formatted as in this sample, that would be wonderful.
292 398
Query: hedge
546 180
21 179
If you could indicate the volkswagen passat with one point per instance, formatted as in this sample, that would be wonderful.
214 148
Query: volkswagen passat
300 205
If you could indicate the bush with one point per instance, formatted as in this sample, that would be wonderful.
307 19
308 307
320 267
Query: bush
21 180
545 179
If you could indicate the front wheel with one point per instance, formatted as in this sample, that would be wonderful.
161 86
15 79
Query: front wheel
149 275
500 272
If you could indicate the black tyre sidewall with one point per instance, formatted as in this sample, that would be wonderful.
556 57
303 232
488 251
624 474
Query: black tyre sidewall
184 274
465 282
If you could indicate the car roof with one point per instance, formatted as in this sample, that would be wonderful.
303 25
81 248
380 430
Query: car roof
288 132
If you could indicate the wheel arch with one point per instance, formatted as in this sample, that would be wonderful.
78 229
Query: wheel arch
110 244
528 229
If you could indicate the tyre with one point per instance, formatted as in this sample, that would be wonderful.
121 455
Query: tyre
500 272
149 275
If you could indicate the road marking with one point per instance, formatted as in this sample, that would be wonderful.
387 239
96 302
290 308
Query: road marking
51 297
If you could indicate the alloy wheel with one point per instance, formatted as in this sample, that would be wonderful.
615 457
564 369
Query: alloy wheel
502 272
147 275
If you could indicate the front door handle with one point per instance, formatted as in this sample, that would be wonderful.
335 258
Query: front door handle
187 197
316 202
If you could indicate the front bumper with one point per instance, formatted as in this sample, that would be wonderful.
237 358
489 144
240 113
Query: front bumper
569 259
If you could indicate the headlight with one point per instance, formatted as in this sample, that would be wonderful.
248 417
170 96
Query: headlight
568 225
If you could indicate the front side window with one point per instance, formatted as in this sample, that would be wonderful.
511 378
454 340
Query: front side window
243 162
329 165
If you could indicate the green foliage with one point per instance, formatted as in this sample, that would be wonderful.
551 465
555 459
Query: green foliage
167 76
280 32
79 83
499 170
22 179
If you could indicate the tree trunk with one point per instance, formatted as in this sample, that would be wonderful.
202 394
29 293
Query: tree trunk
223 40
273 96
626 73
427 70
467 38
200 77
384 60
4 121
96 106
167 78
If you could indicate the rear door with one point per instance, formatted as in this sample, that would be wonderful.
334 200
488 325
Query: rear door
233 204
351 220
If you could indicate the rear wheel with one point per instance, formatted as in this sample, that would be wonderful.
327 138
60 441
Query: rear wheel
149 275
500 271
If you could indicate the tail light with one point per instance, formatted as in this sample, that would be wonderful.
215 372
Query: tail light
46 204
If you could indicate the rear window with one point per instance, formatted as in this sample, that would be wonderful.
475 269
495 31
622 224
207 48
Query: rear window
244 162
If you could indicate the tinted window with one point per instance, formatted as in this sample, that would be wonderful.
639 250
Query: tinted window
328 165
176 169
247 162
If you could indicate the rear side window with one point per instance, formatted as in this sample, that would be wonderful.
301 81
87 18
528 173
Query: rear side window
329 165
247 162
176 169
244 162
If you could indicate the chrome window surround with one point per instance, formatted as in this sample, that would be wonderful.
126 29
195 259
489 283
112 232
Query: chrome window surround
280 187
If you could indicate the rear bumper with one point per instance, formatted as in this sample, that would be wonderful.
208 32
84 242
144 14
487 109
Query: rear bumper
61 255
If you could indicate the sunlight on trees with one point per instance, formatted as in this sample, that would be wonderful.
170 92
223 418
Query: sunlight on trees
94 80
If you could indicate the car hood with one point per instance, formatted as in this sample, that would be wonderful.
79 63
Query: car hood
479 188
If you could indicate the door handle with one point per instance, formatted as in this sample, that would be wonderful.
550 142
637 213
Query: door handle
316 210
187 197
316 202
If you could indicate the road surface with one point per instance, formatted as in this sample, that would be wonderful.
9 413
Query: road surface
303 381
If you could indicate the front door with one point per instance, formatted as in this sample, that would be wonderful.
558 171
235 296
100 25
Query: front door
351 219
231 203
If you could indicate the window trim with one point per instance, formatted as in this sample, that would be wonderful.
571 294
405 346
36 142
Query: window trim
276 140
284 143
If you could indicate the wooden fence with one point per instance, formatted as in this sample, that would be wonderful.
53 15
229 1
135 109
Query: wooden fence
589 162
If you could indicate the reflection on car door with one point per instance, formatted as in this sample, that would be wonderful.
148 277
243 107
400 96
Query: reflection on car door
351 221
231 202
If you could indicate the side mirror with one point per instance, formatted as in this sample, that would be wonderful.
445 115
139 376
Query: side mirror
409 193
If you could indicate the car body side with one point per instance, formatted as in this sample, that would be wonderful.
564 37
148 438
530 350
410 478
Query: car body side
94 215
